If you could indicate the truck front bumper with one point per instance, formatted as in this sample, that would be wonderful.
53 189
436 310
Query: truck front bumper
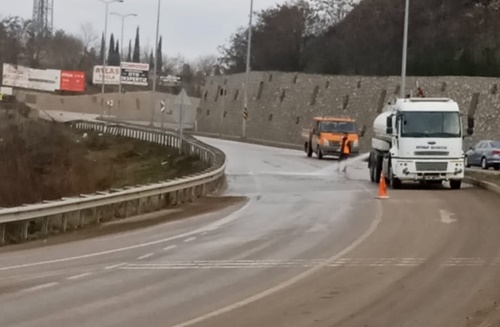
428 170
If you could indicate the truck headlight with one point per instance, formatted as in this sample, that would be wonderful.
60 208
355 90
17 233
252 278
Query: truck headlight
326 143
355 144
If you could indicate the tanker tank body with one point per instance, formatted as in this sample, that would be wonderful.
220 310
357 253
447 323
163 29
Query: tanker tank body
381 143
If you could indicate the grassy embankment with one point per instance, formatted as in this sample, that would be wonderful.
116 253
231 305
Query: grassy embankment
46 161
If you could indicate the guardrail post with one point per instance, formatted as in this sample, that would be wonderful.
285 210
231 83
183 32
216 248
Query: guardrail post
125 209
64 222
180 197
81 219
24 230
96 214
2 234
172 199
45 226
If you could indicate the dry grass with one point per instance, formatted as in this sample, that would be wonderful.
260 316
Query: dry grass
47 161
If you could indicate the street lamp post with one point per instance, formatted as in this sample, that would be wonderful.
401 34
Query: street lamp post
405 49
155 69
123 17
106 3
247 74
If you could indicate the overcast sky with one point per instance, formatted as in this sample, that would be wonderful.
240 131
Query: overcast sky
189 27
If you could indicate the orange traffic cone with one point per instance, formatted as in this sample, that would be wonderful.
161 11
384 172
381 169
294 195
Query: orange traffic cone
382 188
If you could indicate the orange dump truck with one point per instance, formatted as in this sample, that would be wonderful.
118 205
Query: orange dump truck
325 136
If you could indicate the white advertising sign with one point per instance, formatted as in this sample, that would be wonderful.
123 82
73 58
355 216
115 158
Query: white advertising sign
28 78
112 75
170 80
135 73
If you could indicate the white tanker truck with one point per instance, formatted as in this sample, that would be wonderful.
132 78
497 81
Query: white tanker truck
419 140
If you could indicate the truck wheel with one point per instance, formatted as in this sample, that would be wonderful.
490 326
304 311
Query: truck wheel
497 167
455 184
371 167
309 150
319 153
378 168
395 182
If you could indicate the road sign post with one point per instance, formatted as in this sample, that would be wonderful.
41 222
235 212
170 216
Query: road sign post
162 110
182 100
109 105
223 93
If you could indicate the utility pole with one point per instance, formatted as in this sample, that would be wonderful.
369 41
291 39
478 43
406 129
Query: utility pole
247 74
405 50
106 3
155 66
123 17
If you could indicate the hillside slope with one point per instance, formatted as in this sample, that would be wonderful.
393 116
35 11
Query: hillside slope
446 37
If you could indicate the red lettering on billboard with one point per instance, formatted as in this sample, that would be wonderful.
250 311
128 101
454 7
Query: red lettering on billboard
73 81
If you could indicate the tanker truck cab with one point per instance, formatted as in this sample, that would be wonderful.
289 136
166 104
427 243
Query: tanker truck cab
419 140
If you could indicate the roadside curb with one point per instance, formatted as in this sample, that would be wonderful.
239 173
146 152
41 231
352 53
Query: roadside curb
482 184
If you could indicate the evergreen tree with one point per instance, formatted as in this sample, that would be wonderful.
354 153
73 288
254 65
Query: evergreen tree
117 55
137 47
129 56
103 46
159 54
111 49
151 60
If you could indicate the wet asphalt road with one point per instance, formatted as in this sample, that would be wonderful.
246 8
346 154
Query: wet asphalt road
309 247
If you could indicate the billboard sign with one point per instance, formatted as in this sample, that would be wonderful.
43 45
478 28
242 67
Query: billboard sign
134 73
28 78
73 81
112 75
170 80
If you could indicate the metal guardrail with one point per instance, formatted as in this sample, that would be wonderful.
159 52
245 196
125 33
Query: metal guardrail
24 222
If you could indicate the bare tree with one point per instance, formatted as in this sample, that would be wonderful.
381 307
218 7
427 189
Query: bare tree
88 36
173 65
206 65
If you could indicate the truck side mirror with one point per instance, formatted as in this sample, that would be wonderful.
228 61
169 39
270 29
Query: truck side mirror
470 125
389 125
362 131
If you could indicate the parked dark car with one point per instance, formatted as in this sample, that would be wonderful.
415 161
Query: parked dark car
484 154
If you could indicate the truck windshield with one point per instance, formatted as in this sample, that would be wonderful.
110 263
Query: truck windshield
337 127
431 124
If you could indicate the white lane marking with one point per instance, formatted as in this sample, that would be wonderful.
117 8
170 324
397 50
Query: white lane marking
373 227
343 262
169 247
447 217
115 266
189 239
464 262
79 276
40 287
149 255
228 219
